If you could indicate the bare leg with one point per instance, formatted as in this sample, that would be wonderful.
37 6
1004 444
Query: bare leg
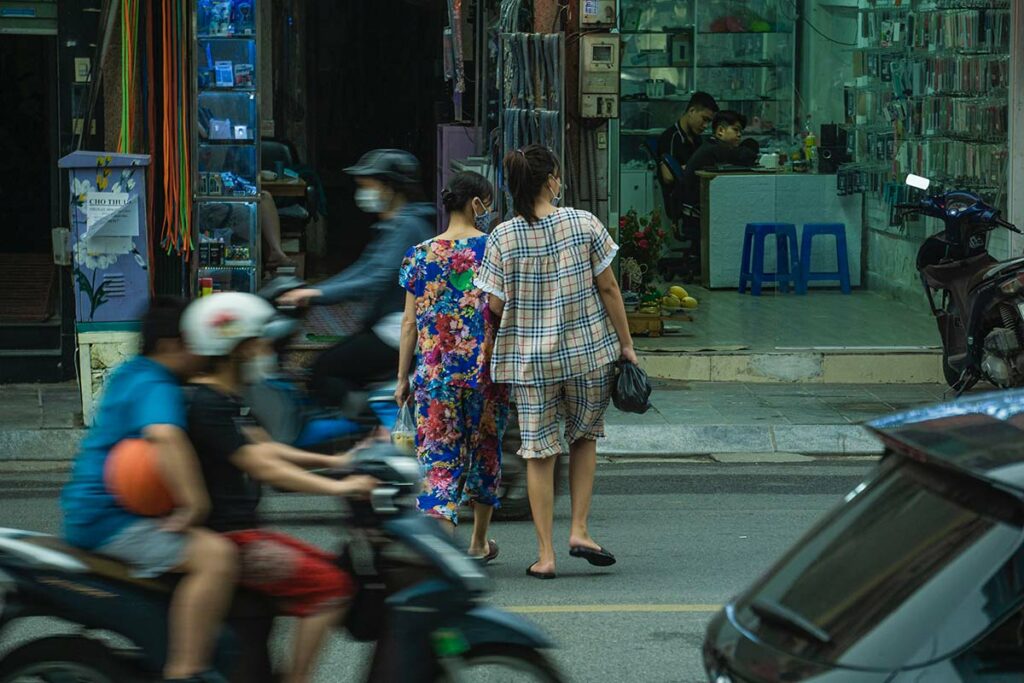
309 639
270 229
582 465
200 602
478 546
540 484
448 525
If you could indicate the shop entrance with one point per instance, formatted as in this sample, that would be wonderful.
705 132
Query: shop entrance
30 307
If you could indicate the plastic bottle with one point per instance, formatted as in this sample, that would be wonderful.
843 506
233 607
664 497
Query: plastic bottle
810 148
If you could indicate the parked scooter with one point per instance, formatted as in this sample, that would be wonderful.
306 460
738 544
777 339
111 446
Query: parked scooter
417 596
977 301
291 416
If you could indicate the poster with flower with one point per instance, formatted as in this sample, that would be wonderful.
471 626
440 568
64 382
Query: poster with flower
109 263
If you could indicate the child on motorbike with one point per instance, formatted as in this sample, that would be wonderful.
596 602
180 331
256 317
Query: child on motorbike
143 399
234 333
461 414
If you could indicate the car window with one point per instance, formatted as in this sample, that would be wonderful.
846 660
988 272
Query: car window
996 657
901 574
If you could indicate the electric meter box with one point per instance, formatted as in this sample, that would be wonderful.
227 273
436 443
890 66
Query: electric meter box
109 235
597 13
599 76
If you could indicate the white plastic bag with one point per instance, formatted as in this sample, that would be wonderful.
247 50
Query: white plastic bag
403 434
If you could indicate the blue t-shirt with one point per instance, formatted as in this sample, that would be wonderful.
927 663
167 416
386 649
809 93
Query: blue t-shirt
137 395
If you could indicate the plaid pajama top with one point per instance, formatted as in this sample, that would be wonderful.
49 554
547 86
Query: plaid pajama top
554 326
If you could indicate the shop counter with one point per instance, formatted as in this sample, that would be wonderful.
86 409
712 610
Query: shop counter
733 199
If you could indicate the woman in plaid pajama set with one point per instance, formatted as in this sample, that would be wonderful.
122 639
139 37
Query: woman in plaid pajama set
460 413
563 327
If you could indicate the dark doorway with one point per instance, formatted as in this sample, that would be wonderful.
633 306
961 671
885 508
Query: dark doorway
376 79
28 168
28 75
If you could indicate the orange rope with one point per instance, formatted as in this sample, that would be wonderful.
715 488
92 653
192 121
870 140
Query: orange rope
176 233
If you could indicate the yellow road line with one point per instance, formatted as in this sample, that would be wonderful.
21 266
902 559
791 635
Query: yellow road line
618 609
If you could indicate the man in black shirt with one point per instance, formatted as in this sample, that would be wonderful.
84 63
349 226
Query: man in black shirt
232 331
677 144
725 147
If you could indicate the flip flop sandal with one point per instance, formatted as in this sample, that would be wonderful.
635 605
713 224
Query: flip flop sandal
492 552
599 557
539 575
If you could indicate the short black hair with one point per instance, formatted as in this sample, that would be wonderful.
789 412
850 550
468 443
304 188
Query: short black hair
463 188
727 117
702 100
162 320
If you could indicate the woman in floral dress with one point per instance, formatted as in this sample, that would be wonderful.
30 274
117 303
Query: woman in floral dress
460 413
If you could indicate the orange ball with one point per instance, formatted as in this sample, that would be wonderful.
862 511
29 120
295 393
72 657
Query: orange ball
133 475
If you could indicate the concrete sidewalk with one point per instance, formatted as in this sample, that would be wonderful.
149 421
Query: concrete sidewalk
728 421
736 419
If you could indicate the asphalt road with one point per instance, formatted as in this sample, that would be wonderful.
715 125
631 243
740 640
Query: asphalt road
687 536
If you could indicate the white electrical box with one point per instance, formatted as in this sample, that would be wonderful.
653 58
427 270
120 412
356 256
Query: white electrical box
599 76
595 13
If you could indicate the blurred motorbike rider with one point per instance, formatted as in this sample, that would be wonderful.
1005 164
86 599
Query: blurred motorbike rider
389 185
234 332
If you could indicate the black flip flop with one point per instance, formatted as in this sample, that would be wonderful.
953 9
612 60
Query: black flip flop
539 575
599 557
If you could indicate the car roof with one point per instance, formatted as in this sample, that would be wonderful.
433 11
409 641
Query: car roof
982 436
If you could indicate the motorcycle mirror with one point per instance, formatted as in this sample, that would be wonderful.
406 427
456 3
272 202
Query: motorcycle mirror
920 182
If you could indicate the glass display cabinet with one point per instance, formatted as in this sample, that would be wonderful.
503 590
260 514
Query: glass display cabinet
742 53
226 147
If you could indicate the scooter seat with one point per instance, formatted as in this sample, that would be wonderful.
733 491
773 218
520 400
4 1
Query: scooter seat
52 554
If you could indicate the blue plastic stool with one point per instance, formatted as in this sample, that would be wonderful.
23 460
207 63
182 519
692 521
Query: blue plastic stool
787 270
837 230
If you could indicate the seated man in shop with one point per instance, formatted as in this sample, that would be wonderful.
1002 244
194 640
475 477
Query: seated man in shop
725 147
679 142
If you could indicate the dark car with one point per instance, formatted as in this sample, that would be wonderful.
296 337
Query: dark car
917 576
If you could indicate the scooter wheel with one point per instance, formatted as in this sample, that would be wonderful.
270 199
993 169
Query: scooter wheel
61 658
496 662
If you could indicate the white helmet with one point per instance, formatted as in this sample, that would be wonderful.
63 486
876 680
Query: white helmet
214 325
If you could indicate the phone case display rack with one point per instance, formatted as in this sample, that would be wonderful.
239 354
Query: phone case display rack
742 53
531 88
930 97
226 146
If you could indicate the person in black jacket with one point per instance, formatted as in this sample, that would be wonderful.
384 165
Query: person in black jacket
725 148
679 141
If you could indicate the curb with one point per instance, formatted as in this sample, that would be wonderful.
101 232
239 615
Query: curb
620 441
39 444
707 440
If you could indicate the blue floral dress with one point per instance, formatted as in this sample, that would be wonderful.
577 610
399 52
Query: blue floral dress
460 413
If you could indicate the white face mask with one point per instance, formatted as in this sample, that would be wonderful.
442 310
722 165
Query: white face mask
371 200
556 198
259 369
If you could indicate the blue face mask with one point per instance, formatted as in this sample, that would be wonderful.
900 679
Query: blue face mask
483 220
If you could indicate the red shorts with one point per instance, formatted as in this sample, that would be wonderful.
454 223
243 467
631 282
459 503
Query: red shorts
304 578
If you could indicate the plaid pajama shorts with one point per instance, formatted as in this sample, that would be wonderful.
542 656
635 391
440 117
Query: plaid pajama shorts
580 401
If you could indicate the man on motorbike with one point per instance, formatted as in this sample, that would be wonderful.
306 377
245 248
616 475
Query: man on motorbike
234 333
143 399
389 186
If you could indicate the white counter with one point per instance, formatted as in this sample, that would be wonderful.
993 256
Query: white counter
731 200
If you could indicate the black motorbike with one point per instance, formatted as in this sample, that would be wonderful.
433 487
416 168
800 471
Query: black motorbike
418 597
290 416
977 301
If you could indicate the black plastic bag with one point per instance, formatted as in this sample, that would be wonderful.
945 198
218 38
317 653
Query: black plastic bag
632 389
